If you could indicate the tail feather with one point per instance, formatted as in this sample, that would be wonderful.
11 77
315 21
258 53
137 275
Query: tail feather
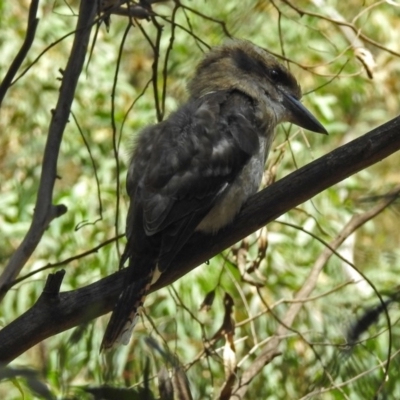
126 312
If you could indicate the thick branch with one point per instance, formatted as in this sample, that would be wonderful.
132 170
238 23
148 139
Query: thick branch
45 211
45 318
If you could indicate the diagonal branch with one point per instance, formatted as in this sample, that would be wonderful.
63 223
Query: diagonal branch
45 211
69 309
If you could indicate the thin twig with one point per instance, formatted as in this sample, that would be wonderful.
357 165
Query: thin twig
116 141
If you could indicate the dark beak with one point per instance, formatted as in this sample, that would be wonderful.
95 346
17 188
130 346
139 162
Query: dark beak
301 116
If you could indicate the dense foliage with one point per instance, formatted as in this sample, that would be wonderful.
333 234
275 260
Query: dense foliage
123 90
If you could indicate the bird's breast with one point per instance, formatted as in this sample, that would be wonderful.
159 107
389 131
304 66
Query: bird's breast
237 192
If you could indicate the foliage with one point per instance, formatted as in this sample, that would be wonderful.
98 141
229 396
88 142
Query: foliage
261 273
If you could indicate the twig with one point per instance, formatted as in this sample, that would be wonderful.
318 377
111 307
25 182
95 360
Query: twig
115 140
340 22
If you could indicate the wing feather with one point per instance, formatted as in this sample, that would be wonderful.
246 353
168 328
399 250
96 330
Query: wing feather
183 165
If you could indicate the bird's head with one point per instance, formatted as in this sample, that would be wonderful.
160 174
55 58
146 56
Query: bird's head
241 65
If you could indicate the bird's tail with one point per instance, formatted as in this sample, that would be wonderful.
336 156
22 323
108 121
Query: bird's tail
126 312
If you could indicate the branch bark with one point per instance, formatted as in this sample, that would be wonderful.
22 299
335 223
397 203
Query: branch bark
68 309
45 210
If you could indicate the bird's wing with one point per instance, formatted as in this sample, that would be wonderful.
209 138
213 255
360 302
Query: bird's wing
190 162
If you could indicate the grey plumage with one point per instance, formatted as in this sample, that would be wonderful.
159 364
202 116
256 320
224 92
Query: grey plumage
196 169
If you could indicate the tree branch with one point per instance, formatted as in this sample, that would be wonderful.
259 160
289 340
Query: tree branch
45 211
46 318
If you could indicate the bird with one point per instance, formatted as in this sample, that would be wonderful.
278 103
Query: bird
193 171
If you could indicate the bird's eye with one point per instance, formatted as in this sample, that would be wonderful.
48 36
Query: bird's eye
276 75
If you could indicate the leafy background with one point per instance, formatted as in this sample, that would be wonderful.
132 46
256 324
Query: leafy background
91 185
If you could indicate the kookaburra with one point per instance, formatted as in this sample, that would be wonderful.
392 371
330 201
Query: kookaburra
195 170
